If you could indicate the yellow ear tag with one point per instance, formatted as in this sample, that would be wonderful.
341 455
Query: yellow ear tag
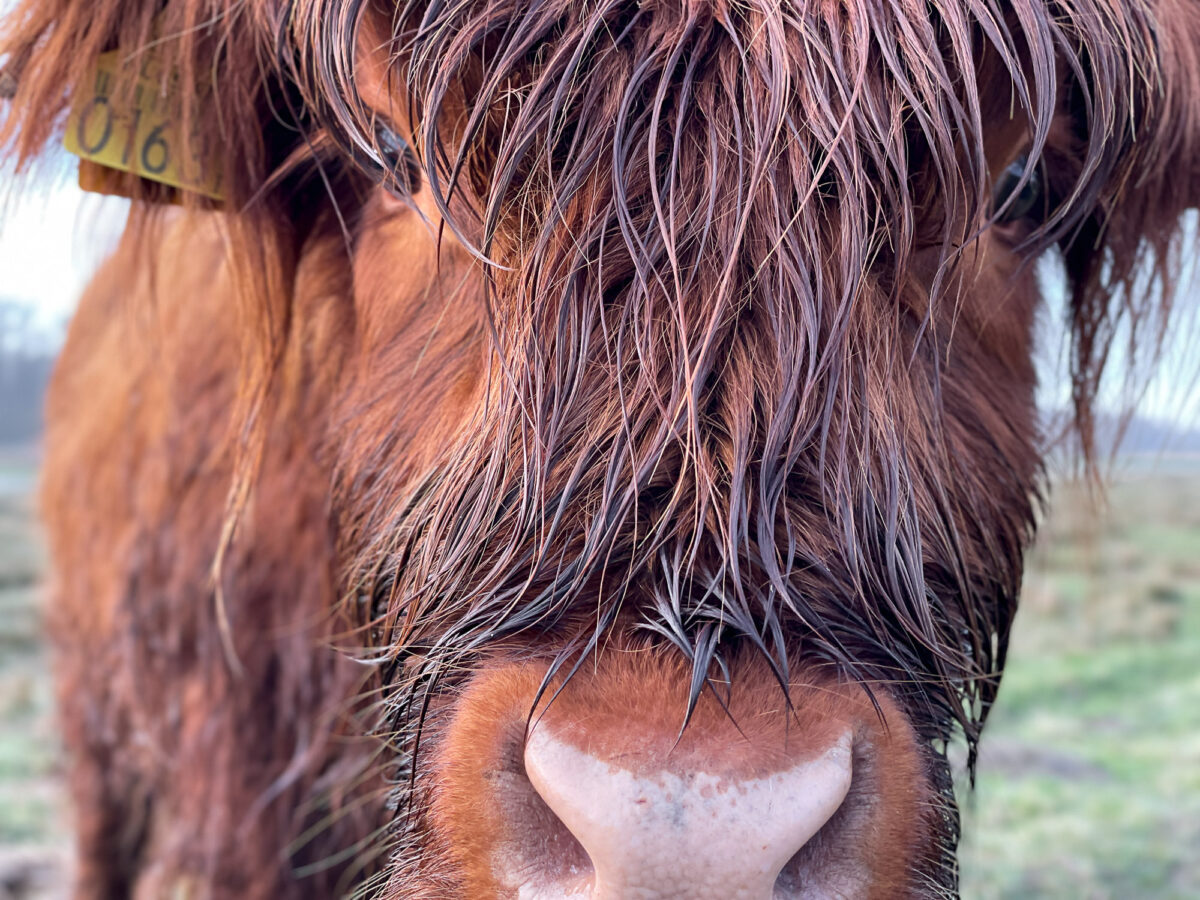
138 130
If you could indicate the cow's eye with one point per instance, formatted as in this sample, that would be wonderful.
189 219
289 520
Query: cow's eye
1015 200
401 173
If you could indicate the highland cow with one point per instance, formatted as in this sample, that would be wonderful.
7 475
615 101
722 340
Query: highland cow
586 448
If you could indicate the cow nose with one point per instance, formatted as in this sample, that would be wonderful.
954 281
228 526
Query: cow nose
657 832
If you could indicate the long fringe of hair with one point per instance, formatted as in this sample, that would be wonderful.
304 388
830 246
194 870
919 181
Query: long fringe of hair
717 409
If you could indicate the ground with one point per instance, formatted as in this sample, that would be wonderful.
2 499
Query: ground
1089 782
33 827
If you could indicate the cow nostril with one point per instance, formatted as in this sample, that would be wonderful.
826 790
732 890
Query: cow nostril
538 857
656 832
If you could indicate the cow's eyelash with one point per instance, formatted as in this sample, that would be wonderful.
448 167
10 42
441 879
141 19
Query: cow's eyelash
1020 193
393 164
401 171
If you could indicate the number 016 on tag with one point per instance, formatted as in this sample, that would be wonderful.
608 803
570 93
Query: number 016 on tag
138 130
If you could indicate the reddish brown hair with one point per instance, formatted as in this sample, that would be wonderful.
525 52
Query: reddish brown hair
734 390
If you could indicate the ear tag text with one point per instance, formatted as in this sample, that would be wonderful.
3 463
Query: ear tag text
137 129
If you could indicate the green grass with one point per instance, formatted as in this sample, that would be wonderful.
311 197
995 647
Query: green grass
33 834
1090 769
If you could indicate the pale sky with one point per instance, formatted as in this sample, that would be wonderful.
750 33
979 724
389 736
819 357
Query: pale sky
52 237
55 235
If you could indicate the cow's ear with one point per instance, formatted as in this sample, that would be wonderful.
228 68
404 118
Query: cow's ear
1166 140
1139 100
1124 260
158 96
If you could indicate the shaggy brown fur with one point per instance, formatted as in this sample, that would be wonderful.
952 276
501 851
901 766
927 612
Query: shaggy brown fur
701 327
228 766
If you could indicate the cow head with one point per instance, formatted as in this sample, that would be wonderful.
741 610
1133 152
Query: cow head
686 452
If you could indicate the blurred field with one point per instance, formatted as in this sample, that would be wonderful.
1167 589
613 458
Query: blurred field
1090 772
33 842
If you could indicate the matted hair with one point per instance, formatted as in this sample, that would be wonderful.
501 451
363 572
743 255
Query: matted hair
702 219
724 245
